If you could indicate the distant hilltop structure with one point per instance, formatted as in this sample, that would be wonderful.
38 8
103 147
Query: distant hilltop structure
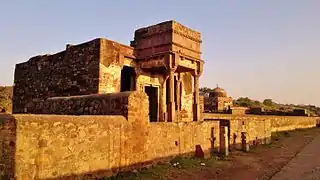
219 100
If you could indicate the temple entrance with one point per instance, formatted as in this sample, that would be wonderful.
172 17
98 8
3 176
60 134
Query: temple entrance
128 77
152 93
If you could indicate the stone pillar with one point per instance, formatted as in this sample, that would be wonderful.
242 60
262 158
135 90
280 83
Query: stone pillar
178 92
196 108
226 140
171 104
138 72
244 143
164 105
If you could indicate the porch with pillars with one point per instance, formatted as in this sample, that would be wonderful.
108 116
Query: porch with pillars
174 87
171 66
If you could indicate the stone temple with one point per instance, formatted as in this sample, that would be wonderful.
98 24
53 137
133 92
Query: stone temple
163 60
220 101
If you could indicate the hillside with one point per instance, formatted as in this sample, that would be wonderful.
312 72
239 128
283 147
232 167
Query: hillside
5 98
268 104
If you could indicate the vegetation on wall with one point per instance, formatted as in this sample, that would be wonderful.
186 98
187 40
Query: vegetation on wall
267 104
6 98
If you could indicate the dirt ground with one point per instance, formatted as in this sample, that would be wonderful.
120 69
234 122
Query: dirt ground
261 163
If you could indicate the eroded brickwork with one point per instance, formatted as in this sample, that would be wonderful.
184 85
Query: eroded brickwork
96 104
58 146
165 56
51 146
74 71
259 128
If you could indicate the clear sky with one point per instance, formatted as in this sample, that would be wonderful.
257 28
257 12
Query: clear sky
255 48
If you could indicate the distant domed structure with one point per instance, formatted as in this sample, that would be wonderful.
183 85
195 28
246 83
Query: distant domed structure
218 92
218 100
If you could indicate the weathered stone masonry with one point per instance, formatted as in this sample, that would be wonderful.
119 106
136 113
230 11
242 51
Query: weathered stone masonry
52 146
163 61
102 107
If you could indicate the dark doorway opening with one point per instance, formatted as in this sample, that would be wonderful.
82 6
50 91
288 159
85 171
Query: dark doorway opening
128 78
152 93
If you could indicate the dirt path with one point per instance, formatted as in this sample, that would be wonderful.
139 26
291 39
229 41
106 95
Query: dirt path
260 164
305 166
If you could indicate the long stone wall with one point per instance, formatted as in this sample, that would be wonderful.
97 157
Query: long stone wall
51 146
259 128
287 123
171 139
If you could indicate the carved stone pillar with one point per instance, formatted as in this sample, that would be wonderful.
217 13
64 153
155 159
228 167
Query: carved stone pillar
138 72
178 88
163 99
196 107
171 103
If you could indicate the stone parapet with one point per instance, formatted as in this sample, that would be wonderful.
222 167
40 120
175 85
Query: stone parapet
127 104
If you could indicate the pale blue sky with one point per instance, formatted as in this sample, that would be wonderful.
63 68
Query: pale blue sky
255 48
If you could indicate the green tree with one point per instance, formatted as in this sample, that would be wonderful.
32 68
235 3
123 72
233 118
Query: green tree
268 102
204 91
244 102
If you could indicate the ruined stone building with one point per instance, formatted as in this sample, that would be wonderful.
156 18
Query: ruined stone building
218 101
144 107
163 60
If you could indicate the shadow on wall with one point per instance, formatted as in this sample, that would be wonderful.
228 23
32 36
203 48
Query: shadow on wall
23 148
7 146
100 174
31 162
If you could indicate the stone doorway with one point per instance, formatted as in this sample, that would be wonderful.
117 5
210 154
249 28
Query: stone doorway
128 77
152 93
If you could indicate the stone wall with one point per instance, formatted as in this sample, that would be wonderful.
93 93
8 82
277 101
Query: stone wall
51 146
171 139
287 123
92 67
48 146
74 71
259 128
112 57
95 104
7 146
239 110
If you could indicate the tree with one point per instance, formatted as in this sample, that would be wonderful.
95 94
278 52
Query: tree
268 102
204 91
244 102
